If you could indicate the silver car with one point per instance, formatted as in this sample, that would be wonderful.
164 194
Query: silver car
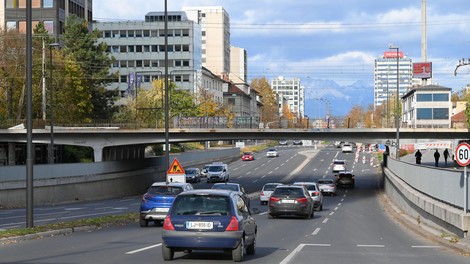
266 192
327 186
314 191
272 152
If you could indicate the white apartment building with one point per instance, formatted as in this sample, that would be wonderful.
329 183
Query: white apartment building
139 50
292 91
238 65
385 76
215 26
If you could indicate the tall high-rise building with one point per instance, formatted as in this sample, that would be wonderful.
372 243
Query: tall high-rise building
215 24
52 13
238 65
385 76
292 91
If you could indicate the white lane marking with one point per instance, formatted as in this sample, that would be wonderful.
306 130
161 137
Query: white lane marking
342 200
263 213
276 168
255 181
339 204
143 249
325 220
256 168
316 231
248 173
336 208
270 172
372 246
332 213
298 249
425 246
283 164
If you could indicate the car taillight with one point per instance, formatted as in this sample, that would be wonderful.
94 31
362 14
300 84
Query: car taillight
274 199
233 225
315 193
302 200
167 225
262 194
145 197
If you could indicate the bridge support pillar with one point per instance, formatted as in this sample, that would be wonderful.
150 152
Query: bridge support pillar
98 153
11 154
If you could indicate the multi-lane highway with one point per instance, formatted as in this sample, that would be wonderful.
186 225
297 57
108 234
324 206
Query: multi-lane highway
352 228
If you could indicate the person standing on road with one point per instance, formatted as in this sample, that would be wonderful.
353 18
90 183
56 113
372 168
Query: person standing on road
418 157
436 157
446 156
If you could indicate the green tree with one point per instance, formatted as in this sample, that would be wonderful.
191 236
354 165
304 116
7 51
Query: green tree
95 61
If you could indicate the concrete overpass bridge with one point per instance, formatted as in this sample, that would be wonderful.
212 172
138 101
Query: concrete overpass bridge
109 142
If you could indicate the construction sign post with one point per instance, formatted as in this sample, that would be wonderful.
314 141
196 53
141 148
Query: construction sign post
175 172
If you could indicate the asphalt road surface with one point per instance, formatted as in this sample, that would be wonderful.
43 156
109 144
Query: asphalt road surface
352 228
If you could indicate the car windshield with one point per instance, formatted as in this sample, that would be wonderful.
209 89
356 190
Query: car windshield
291 192
216 168
247 153
190 171
272 150
230 187
164 190
269 187
201 205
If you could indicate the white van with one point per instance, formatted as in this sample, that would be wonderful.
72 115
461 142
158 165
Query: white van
217 172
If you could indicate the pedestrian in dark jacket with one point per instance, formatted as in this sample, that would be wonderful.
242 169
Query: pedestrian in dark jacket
446 156
418 157
436 157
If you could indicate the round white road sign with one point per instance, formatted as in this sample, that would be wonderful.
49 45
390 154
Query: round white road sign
462 154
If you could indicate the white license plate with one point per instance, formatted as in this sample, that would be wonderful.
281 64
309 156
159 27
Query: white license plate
288 201
162 210
199 225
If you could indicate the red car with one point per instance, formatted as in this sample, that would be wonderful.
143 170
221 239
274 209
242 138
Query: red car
248 156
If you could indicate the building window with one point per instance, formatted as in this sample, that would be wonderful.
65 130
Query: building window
440 113
130 33
130 48
48 3
440 97
424 97
11 24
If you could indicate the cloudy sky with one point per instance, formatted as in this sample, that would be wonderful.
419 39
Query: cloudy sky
330 42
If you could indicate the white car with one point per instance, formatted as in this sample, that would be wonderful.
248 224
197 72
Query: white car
347 148
272 152
266 192
339 165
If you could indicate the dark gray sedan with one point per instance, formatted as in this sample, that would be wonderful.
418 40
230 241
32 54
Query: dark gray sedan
290 200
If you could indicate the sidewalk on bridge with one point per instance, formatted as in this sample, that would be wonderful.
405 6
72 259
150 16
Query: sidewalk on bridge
428 159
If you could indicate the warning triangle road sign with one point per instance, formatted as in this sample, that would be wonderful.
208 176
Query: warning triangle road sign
175 168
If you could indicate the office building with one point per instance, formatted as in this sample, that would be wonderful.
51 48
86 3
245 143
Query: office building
427 107
292 91
53 13
215 26
385 76
139 50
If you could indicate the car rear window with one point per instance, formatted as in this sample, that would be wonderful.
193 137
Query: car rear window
292 192
201 205
344 175
339 162
269 187
165 190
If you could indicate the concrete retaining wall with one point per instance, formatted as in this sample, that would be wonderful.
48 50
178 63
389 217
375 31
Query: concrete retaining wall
65 183
424 208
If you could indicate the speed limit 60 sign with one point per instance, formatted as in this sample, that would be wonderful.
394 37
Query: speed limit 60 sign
462 154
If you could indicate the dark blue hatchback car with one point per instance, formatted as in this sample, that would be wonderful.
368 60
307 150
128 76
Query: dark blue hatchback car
209 220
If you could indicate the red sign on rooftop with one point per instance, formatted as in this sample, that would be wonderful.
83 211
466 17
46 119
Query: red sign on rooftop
393 54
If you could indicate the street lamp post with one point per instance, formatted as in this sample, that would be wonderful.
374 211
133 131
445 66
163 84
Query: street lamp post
397 115
51 147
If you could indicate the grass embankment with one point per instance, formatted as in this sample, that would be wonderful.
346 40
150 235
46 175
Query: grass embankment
97 222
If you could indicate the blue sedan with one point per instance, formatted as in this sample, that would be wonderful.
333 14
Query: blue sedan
209 220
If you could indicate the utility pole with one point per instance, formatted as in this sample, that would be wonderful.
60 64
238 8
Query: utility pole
43 78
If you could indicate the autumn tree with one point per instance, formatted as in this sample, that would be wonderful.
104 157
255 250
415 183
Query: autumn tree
149 105
270 110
